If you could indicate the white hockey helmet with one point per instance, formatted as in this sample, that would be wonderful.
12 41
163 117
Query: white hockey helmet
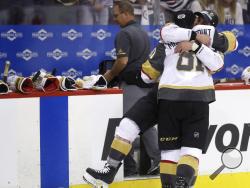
246 75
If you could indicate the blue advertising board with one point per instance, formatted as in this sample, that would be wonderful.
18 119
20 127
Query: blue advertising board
77 50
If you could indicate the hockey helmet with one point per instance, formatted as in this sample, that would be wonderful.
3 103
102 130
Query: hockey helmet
209 17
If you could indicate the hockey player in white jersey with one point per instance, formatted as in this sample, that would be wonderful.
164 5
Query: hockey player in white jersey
188 69
139 118
185 90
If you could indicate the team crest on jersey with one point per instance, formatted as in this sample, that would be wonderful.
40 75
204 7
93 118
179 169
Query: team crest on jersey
42 34
101 34
196 134
111 53
245 51
181 16
27 54
11 35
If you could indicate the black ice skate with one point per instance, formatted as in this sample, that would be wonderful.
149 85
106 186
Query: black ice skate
100 178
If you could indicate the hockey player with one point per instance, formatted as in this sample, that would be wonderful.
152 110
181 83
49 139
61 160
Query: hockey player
185 90
141 116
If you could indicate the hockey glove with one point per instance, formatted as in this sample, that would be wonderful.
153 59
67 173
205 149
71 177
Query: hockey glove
67 83
4 89
46 82
96 82
21 84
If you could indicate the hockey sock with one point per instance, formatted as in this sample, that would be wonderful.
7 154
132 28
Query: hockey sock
118 151
187 168
167 173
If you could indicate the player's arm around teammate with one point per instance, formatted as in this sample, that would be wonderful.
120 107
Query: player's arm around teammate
185 90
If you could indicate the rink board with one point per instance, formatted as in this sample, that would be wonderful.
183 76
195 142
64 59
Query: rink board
47 141
230 128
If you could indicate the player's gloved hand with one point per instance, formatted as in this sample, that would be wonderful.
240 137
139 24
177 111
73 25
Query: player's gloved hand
101 83
232 42
20 84
96 82
79 83
67 83
89 81
4 89
45 82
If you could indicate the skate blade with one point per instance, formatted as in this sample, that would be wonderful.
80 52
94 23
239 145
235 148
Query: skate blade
94 182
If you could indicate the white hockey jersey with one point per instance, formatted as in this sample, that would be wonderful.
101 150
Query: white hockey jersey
186 76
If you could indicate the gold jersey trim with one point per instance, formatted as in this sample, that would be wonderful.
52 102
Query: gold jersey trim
187 87
150 71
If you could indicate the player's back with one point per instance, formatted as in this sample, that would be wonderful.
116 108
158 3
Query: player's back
185 78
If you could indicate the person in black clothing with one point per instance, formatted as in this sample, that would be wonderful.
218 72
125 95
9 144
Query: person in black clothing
132 48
